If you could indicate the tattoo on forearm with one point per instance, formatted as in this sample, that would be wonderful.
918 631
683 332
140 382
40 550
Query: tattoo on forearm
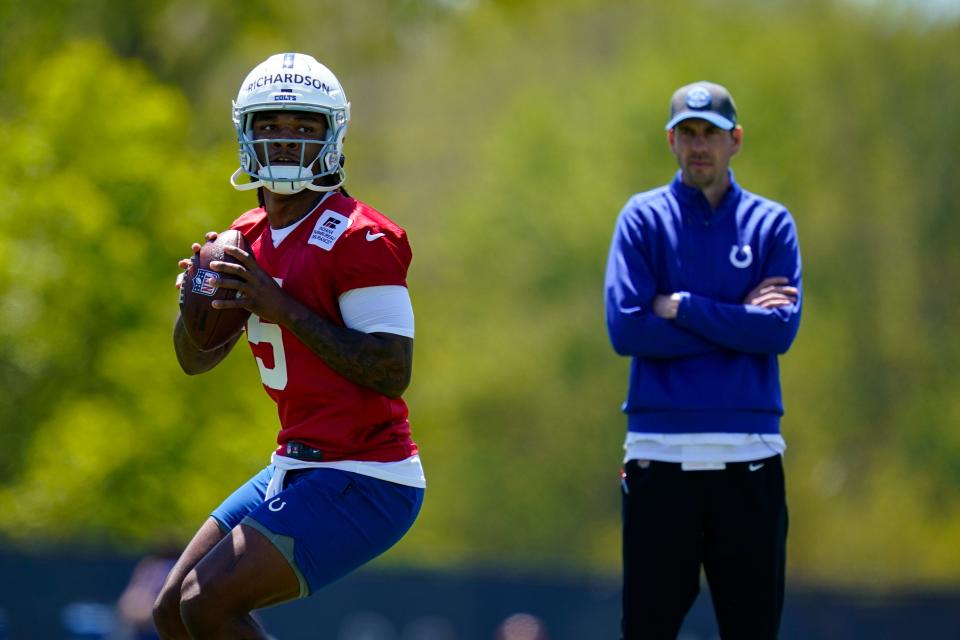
380 362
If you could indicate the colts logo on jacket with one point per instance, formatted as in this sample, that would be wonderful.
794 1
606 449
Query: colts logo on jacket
741 257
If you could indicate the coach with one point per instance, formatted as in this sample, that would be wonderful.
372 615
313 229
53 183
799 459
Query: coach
703 292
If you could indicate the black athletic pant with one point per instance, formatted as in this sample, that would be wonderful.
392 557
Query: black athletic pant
732 522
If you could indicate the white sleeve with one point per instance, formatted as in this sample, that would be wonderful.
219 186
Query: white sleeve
385 309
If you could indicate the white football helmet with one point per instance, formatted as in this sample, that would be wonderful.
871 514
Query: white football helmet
291 82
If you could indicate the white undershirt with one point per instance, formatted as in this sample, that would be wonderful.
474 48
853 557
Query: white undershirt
278 235
381 309
702 448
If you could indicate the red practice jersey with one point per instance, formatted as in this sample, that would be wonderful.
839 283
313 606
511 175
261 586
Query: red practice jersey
342 245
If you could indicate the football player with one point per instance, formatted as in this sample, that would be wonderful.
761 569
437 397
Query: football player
331 330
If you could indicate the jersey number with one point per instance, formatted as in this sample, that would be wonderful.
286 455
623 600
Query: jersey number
259 332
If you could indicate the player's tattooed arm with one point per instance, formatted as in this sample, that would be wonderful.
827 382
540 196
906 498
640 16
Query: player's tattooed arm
192 360
380 361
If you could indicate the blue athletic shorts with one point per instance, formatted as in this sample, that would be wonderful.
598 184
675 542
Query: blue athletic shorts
326 522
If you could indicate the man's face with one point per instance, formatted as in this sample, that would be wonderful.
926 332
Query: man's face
290 126
703 151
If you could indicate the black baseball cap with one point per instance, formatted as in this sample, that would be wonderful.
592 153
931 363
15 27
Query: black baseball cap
706 101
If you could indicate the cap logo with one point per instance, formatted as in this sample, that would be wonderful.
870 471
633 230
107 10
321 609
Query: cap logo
698 98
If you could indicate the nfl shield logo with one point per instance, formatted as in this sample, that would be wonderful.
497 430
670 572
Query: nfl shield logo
205 282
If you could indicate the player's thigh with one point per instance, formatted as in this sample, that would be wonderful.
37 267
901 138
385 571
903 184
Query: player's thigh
167 605
243 571
227 515
328 522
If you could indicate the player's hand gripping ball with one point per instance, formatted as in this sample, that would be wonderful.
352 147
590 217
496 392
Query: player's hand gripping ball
207 327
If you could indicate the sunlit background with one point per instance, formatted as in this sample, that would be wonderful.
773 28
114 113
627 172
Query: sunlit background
505 137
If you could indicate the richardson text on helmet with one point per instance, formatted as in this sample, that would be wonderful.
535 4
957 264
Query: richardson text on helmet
289 78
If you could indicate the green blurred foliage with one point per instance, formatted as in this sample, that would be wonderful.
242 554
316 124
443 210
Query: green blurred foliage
505 136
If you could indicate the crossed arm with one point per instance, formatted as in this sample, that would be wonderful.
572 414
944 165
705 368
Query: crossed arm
644 321
771 293
379 361
765 322
669 327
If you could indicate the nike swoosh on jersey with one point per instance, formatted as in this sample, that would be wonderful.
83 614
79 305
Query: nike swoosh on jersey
373 236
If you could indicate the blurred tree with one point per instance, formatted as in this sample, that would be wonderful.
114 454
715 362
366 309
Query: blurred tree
98 206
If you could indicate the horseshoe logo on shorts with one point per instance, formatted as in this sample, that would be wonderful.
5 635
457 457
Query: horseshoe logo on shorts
275 501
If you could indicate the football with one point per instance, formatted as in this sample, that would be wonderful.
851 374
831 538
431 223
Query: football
207 327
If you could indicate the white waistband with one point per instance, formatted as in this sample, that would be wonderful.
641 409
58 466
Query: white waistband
407 472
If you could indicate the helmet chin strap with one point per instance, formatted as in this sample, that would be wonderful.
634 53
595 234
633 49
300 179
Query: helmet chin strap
243 186
284 185
323 187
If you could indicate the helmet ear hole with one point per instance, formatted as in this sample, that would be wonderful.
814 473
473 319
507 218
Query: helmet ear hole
333 161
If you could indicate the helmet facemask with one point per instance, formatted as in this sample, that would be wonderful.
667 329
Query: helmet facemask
287 179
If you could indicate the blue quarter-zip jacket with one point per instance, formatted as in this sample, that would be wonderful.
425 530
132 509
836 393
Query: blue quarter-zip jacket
713 368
